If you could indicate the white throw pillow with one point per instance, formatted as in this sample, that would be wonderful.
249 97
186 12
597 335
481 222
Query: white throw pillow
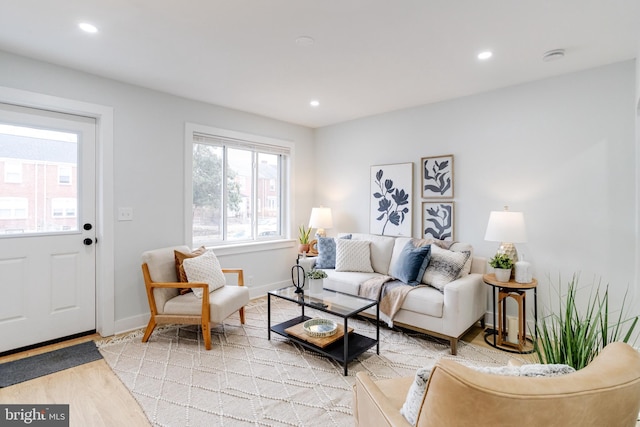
415 395
353 255
204 268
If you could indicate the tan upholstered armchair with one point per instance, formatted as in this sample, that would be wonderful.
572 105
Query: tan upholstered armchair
605 393
169 306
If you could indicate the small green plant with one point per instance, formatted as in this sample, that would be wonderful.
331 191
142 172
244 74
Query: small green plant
501 261
574 336
316 274
303 234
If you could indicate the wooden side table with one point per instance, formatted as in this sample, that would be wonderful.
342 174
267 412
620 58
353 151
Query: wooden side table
517 291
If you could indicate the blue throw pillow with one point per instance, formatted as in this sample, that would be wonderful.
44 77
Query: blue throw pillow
327 252
412 263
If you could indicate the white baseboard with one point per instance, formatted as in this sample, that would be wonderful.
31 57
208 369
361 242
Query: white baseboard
140 321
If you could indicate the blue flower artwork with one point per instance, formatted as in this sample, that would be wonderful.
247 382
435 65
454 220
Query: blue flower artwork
391 187
437 177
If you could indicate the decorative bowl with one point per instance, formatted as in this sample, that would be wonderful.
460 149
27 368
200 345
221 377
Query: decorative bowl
320 328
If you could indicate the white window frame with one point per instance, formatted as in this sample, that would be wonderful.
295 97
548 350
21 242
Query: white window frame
258 141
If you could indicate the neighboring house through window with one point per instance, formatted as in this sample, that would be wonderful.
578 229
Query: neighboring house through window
239 186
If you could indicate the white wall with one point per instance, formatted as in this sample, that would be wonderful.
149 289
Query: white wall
562 150
149 171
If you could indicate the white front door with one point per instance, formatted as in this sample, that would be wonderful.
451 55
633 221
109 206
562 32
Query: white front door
47 226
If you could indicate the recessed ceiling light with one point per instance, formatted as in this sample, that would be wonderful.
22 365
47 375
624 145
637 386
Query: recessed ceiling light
485 55
89 28
305 41
314 103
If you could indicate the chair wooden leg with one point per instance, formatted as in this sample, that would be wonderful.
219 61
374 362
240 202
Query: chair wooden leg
241 311
150 327
206 334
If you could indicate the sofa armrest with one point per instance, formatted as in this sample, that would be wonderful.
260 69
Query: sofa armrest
307 263
465 301
371 407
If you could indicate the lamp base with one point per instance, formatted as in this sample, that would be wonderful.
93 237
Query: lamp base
509 249
320 232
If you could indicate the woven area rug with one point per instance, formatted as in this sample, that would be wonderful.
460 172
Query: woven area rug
247 380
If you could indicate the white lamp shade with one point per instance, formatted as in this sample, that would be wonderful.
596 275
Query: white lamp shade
506 226
321 218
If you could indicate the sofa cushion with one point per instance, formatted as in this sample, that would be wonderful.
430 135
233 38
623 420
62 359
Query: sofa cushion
414 399
381 249
204 268
409 268
353 255
327 252
444 267
347 281
425 300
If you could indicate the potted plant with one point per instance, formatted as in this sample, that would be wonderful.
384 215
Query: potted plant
502 264
316 280
303 238
574 334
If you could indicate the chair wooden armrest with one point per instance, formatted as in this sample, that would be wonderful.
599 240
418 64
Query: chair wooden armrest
238 271
178 285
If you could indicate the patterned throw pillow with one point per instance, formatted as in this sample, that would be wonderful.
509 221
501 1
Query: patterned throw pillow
179 258
205 268
413 402
353 255
412 263
444 267
327 252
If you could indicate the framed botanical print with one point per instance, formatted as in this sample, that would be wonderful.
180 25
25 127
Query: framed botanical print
391 198
437 177
437 220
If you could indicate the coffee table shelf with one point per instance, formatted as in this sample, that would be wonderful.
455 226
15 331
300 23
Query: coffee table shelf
343 350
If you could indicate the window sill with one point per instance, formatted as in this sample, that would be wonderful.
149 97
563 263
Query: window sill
251 247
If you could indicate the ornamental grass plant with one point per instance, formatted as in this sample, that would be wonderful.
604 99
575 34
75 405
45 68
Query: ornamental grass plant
574 335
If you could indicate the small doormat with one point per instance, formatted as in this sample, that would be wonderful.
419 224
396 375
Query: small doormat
36 366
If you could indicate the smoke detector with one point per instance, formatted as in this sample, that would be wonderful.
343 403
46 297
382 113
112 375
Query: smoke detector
553 55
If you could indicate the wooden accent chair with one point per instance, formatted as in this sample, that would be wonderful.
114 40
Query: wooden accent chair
169 306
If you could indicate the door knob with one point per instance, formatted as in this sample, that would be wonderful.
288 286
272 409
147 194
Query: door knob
87 226
88 241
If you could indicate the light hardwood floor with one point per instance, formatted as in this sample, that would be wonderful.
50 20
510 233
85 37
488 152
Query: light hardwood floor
95 395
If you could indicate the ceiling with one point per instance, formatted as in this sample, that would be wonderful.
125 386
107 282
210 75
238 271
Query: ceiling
368 56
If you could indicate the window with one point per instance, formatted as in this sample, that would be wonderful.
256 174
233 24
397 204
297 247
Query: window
64 207
13 207
64 175
238 186
13 172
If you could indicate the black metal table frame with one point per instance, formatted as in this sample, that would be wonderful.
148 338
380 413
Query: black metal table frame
353 344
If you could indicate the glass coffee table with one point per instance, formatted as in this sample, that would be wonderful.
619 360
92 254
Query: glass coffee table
341 348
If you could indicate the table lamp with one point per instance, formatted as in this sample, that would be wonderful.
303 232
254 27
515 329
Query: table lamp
320 220
507 228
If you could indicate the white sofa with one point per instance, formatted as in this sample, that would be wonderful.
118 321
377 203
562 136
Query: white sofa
448 314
